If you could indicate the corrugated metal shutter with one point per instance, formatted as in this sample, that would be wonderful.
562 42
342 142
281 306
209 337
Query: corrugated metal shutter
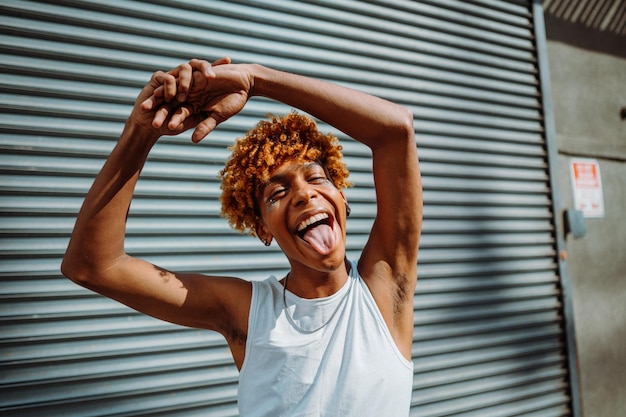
488 325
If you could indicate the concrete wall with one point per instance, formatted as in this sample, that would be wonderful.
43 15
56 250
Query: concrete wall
588 79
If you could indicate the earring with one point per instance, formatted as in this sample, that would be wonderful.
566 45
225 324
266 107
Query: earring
348 210
266 242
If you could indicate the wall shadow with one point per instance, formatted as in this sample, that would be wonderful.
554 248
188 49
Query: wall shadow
596 25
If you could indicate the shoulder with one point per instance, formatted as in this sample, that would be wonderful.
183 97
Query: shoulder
268 287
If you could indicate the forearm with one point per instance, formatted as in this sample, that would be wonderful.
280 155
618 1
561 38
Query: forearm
98 238
368 119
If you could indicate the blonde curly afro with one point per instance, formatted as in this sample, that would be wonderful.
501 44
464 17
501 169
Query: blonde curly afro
266 147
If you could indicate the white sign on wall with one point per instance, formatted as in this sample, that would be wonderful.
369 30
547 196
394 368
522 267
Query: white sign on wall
587 186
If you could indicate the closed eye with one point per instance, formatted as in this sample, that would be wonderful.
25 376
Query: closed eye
318 180
277 194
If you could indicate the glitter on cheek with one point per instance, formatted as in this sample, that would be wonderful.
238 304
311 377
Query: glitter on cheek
270 205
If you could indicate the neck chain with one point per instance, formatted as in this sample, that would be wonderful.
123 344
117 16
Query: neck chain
293 322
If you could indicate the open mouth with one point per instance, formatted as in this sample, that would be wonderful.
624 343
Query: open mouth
318 231
311 222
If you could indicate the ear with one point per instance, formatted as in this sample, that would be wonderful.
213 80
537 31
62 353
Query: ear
348 210
264 235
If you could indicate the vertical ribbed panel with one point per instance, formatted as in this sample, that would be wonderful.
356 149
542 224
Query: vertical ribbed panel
488 324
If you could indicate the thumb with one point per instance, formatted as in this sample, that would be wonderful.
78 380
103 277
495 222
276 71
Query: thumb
221 61
204 128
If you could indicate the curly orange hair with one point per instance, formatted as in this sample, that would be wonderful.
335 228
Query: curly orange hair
266 147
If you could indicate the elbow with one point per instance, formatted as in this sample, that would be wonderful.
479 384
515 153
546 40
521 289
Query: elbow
395 132
89 270
398 128
71 271
401 135
75 268
405 124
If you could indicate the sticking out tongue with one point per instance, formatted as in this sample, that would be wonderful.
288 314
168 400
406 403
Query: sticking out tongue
321 237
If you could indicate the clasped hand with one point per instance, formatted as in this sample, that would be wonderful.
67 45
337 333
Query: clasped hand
196 94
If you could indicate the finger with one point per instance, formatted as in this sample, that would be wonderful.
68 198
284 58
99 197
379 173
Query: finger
183 73
221 61
204 67
157 79
168 82
154 100
178 118
160 116
164 84
204 128
148 104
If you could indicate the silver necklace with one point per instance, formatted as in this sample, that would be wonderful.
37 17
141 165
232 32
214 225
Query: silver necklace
293 322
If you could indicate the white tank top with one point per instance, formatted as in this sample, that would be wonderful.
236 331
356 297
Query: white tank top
323 357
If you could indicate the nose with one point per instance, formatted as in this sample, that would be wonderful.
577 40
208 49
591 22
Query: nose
303 193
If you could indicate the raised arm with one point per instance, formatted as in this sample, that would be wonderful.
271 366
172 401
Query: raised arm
96 258
389 260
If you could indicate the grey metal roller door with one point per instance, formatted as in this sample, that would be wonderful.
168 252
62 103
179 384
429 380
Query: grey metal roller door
489 338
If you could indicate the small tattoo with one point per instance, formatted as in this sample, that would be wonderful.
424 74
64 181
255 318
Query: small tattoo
164 273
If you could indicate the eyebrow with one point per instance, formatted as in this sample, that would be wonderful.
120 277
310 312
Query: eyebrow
280 177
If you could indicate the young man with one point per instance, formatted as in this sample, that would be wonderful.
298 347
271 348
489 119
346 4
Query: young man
331 338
